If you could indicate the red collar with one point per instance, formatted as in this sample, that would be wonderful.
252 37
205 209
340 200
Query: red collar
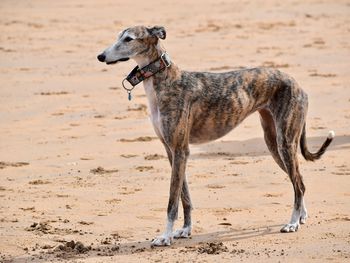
137 75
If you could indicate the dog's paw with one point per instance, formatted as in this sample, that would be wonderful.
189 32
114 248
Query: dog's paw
164 240
303 219
290 228
184 232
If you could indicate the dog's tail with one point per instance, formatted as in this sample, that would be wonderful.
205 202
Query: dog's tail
317 155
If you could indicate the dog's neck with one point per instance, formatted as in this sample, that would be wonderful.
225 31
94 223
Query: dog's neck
155 83
151 56
154 53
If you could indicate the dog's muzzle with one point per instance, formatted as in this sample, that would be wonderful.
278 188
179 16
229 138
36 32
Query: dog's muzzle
118 60
102 58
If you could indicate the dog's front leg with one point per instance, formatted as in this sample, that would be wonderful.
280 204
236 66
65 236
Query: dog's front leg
179 159
185 231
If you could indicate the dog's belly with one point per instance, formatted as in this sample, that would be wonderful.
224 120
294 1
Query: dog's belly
215 125
208 133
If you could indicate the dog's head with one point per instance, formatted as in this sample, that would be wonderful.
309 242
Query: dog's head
132 42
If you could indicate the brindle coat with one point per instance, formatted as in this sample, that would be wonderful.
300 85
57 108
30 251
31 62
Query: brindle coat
198 107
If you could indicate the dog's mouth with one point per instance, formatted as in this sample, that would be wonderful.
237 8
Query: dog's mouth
118 60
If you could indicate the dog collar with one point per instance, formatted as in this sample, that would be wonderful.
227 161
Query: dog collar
138 75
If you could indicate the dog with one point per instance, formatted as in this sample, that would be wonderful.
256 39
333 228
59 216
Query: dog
198 107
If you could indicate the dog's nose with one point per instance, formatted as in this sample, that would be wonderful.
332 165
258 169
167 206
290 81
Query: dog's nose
101 57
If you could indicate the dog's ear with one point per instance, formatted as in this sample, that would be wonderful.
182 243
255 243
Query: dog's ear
157 31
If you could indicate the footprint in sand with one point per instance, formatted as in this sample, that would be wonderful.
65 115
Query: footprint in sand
57 114
7 50
113 201
225 224
120 117
139 107
126 191
62 196
128 155
101 170
202 175
277 24
215 186
209 27
154 157
144 168
239 162
273 195
99 116
38 182
323 75
139 139
85 223
11 164
52 93
220 68
220 212
271 64
86 158
28 208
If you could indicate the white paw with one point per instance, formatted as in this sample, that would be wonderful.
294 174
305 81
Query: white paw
184 232
164 240
290 228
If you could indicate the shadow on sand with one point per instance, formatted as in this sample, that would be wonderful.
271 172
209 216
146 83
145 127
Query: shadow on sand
256 147
219 236
128 248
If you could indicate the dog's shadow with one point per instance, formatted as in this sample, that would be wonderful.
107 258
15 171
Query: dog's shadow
196 240
256 147
194 243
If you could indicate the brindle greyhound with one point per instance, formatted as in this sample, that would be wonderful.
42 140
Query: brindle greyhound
197 107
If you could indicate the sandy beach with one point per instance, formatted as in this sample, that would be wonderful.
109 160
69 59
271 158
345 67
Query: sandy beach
84 177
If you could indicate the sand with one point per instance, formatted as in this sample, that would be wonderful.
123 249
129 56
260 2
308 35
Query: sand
79 162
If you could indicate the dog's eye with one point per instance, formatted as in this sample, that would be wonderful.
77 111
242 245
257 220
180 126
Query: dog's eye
128 39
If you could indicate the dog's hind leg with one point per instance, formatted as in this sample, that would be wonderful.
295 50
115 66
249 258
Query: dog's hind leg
289 123
289 156
269 127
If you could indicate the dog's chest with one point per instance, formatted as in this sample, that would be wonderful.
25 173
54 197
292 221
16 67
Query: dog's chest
153 105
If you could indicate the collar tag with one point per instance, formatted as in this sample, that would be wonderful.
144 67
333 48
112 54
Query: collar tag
166 59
